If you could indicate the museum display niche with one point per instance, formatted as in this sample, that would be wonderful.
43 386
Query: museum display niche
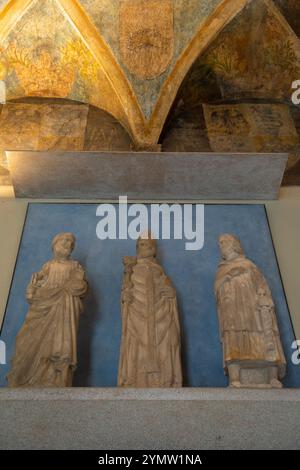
168 413
191 272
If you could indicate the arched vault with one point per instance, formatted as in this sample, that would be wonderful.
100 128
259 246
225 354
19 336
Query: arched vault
125 105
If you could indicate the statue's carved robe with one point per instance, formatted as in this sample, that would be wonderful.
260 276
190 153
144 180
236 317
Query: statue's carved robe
46 345
248 324
150 350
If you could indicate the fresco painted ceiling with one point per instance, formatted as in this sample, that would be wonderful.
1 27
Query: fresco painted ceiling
130 57
245 62
291 11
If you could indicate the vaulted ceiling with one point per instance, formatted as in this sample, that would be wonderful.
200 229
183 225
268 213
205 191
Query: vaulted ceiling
130 57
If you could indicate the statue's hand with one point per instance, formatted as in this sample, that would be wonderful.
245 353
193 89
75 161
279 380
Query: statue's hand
78 275
34 279
71 285
168 292
127 296
265 302
129 261
30 293
235 272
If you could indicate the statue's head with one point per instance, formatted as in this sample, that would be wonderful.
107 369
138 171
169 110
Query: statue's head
146 246
63 244
230 246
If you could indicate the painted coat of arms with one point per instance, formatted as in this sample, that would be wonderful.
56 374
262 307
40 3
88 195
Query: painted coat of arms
146 36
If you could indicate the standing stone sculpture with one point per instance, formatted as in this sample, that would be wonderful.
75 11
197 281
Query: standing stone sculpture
46 345
252 350
150 354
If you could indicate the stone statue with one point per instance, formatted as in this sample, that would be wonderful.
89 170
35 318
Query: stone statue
252 350
150 354
46 345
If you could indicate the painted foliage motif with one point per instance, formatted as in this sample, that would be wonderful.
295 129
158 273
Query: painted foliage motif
146 36
254 57
251 127
40 59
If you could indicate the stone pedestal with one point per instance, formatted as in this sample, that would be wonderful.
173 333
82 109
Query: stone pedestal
189 418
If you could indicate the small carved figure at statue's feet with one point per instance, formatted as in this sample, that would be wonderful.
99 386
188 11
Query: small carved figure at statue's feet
275 383
235 384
